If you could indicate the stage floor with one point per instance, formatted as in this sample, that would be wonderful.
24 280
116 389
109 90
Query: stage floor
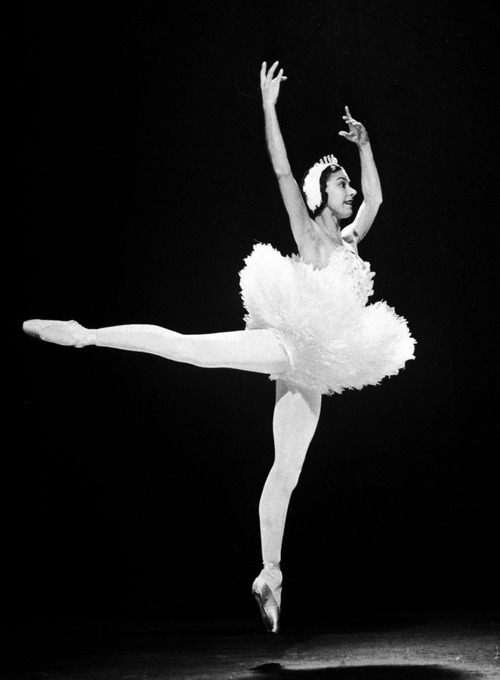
389 647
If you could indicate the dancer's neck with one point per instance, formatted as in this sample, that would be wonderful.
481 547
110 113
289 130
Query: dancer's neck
330 226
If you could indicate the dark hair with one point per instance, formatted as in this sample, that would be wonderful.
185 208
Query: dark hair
323 181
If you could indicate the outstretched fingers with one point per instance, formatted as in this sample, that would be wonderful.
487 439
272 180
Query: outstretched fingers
270 83
266 78
271 71
357 132
352 122
349 119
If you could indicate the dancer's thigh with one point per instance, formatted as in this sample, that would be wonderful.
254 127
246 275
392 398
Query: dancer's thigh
296 416
250 350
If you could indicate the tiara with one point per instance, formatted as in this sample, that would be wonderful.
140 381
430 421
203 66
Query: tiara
311 185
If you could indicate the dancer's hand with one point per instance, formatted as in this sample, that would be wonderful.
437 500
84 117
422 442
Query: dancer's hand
357 132
270 85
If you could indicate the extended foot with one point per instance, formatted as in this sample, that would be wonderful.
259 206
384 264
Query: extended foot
68 333
266 590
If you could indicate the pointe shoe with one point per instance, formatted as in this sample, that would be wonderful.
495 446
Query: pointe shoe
67 333
269 603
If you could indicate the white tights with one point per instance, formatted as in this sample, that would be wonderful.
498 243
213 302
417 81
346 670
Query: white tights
296 412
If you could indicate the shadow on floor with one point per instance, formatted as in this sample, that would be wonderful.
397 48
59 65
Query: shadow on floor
424 672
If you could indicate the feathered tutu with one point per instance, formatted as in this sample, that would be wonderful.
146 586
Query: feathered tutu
335 340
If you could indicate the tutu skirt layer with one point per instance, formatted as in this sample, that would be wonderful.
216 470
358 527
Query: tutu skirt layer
335 340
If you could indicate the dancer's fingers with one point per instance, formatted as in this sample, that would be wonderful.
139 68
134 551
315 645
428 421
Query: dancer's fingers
263 72
271 71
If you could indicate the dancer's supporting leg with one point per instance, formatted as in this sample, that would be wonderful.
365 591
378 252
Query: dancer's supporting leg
257 350
296 416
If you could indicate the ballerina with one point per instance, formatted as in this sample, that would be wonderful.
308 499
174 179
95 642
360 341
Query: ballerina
308 322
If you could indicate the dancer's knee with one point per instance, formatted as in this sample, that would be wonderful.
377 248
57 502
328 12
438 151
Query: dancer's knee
285 478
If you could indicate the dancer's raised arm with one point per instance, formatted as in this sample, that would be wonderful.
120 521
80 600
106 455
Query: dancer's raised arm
370 182
300 222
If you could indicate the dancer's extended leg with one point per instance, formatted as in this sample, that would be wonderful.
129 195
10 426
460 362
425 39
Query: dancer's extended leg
296 416
257 350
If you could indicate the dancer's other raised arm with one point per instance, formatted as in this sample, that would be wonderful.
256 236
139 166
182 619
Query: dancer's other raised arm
370 182
301 224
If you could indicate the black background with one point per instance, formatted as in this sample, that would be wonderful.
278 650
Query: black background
140 182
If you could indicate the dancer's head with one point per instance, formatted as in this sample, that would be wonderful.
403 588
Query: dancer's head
326 184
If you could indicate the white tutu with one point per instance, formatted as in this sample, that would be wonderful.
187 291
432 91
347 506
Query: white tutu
334 339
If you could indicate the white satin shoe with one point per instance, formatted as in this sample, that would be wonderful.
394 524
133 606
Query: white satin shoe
267 593
67 333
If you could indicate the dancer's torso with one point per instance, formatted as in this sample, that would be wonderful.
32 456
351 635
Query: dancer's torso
318 248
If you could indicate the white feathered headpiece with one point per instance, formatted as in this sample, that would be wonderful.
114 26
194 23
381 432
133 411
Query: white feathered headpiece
311 185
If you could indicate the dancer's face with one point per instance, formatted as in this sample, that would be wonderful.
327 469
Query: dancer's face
340 195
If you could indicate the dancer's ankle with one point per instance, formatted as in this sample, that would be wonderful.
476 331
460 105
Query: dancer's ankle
90 336
80 336
271 573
